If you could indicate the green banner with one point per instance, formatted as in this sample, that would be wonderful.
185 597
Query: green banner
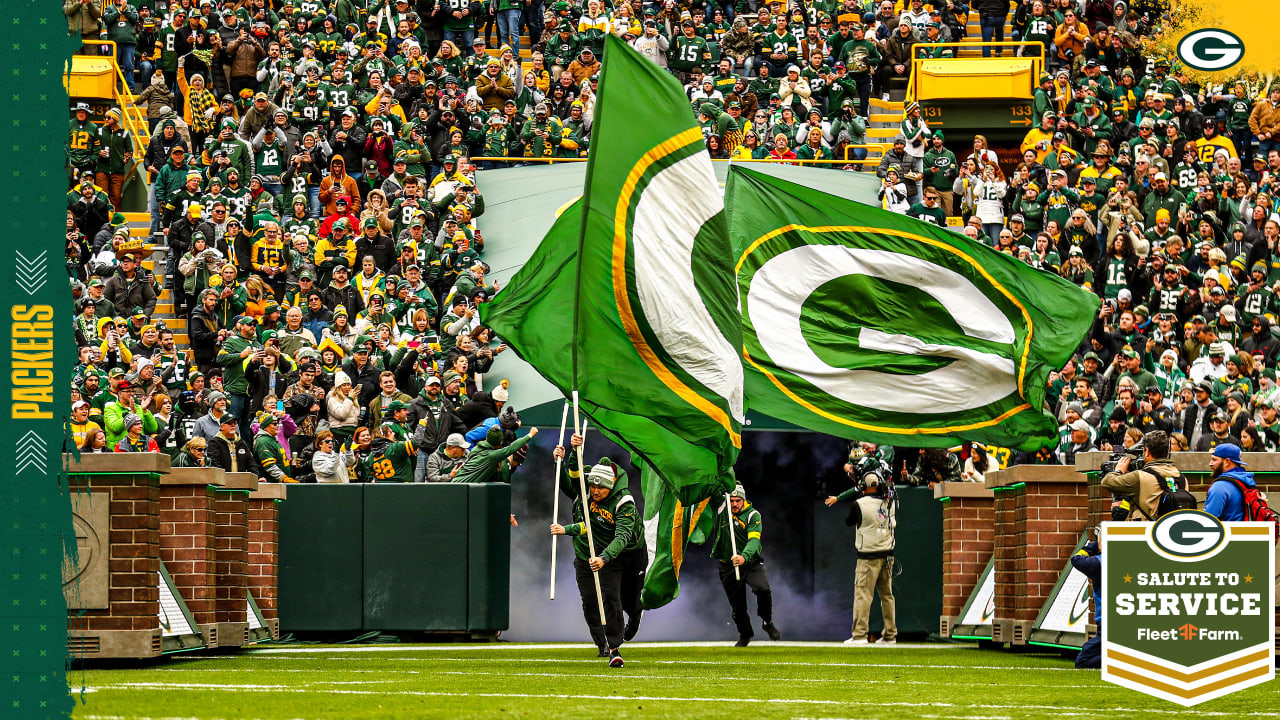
1189 606
38 339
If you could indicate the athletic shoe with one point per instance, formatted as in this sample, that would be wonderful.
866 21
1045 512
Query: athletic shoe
857 641
742 642
602 652
615 658
772 629
633 626
885 97
882 641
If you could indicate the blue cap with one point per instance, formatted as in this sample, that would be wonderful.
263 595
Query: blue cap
1229 451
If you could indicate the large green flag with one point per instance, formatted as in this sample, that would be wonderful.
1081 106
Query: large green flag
630 298
670 526
867 324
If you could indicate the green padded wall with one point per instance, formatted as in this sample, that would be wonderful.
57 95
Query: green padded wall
415 557
321 558
489 556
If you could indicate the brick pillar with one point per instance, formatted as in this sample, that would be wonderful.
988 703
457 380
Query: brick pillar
113 596
188 540
231 508
264 555
1040 511
968 519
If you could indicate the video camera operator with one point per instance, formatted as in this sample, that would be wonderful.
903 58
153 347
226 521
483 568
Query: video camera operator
1153 487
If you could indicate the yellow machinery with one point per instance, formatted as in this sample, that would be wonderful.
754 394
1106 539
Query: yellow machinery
992 95
97 80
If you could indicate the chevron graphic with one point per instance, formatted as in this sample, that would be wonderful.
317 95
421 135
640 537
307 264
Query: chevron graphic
32 452
31 273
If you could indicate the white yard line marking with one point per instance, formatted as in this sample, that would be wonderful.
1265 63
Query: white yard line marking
757 678
585 646
1198 713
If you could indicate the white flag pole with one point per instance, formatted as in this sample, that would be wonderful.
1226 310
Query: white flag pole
580 429
555 502
733 536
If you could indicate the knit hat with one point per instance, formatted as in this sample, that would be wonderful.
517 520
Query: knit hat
340 378
508 418
213 397
602 474
739 492
494 435
132 419
265 420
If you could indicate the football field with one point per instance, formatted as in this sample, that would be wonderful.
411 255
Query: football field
660 680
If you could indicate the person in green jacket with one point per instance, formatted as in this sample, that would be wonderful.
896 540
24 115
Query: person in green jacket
114 413
237 350
620 558
113 146
749 562
121 21
488 457
267 449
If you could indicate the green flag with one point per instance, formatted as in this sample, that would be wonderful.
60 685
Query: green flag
669 526
636 306
866 324
630 298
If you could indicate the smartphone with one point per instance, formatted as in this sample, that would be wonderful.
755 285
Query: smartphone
280 405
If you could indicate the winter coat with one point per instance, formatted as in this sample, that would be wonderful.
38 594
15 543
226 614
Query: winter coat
245 53
155 97
494 92
330 467
484 462
440 465
221 452
343 411
128 294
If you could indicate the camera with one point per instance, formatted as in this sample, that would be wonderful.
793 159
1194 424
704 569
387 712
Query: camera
1135 452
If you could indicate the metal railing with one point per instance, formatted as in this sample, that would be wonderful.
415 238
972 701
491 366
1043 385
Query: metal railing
1037 65
797 161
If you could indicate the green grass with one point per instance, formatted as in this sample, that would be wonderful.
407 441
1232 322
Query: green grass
762 681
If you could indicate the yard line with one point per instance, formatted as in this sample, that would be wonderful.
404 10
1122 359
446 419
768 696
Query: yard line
584 646
632 676
760 660
1197 713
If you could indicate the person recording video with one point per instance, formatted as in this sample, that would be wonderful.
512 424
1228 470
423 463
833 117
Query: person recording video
1152 488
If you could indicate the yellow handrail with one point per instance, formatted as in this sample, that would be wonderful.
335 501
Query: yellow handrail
131 115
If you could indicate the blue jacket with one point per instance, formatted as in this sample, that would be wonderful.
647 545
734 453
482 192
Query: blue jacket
477 433
1091 567
1224 500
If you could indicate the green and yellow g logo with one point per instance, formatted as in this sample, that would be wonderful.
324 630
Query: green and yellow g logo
1210 49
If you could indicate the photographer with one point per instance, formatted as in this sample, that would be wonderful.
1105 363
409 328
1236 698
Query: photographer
1138 492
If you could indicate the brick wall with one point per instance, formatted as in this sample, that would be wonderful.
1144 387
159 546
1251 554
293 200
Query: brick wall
133 552
231 506
188 536
1040 512
264 534
968 521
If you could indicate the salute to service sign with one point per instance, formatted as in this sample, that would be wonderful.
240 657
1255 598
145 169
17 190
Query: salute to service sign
1189 606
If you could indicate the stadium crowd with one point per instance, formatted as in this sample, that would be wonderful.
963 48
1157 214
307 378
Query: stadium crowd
313 190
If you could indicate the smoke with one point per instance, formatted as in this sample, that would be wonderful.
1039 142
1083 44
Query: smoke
784 474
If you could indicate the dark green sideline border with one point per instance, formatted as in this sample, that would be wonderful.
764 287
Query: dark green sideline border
35 508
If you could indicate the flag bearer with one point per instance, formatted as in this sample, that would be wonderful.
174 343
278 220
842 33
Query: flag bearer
744 554
620 559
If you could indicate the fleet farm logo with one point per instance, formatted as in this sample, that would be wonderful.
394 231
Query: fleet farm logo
1189 606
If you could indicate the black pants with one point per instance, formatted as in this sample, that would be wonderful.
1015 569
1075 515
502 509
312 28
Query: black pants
620 583
753 575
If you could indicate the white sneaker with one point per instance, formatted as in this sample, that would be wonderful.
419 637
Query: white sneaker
882 641
885 97
857 641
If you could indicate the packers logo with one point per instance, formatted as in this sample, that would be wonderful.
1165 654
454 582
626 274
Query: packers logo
674 307
1210 49
1188 535
939 342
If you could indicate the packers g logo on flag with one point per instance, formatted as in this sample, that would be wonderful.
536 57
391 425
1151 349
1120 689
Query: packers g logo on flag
941 341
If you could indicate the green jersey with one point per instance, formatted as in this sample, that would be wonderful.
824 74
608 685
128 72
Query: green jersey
687 52
387 463
746 526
